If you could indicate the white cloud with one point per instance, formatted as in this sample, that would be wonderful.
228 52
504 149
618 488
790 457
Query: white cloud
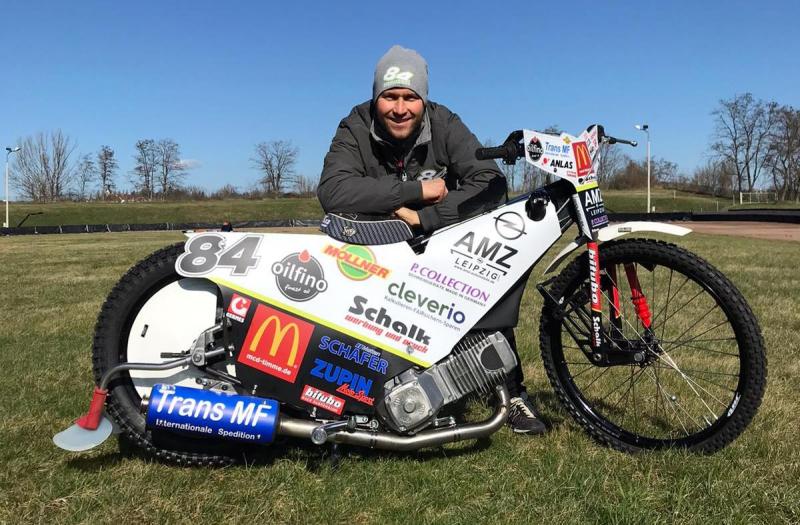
190 164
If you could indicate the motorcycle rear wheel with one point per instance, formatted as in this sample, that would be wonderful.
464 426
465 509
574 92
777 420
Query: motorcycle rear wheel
152 310
704 369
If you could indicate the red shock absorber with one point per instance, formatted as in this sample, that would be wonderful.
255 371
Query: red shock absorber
637 297
616 311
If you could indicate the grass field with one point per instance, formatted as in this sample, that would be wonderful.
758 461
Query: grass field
235 210
52 287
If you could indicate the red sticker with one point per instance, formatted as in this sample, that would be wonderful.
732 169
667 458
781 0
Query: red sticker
321 399
583 161
276 343
238 307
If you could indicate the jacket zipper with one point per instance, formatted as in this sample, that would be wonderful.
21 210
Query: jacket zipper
401 171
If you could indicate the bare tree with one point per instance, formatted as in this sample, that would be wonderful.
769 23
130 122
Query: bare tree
41 170
145 168
741 135
783 153
663 171
171 170
276 160
509 171
305 185
85 174
715 177
609 161
106 168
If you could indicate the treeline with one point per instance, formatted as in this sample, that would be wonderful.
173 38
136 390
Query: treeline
46 168
755 146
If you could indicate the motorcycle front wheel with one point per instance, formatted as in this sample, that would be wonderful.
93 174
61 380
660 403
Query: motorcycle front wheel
700 372
152 310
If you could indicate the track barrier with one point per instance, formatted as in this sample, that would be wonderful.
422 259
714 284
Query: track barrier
782 216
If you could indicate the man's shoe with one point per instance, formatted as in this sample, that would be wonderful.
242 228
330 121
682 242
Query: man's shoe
523 418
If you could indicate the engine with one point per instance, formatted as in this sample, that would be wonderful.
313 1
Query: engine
477 365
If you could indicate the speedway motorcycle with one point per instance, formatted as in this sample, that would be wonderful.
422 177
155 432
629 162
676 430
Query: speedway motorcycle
363 335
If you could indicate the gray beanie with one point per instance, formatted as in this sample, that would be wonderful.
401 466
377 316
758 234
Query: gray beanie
401 68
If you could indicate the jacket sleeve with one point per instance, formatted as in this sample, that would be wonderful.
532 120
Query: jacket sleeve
482 185
344 186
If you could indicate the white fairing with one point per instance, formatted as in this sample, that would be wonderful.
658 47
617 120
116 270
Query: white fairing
618 230
414 306
566 156
174 316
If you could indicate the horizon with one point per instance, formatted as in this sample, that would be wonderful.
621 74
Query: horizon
219 80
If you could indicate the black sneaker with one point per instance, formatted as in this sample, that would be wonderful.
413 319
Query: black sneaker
523 418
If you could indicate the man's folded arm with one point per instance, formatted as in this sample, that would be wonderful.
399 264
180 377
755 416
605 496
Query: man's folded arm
344 187
482 185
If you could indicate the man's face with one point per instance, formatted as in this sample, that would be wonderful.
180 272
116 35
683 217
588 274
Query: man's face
400 111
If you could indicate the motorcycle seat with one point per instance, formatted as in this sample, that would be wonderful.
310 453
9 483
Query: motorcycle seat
357 228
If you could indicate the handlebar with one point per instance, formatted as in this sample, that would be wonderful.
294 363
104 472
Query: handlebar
499 152
510 151
611 140
513 149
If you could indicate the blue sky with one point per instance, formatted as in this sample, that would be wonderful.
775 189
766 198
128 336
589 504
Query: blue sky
218 77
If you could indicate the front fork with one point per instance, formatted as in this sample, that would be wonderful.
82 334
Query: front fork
610 347
601 349
596 295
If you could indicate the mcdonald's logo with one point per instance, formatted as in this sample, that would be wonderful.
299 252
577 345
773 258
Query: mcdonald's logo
583 161
276 343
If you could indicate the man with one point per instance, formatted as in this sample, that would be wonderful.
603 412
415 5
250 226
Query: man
402 154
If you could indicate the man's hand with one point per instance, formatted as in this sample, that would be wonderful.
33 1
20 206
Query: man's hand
409 216
433 191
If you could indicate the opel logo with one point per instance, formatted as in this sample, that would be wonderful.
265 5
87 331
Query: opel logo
509 225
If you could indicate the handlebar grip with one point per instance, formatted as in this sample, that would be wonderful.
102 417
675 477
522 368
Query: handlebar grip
614 140
490 153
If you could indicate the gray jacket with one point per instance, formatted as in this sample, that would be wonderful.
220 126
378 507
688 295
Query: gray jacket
364 173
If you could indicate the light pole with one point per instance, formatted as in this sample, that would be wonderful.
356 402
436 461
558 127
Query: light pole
9 151
646 129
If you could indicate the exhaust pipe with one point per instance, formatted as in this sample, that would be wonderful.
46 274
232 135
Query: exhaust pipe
301 428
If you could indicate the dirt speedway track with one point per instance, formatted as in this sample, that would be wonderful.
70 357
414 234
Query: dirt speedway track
757 230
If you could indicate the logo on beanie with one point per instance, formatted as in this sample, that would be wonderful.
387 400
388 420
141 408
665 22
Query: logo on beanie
395 76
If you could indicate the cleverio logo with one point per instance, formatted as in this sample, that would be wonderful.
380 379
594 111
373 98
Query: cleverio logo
425 303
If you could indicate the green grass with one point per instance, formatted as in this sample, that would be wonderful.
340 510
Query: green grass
233 210
782 205
618 201
51 288
236 210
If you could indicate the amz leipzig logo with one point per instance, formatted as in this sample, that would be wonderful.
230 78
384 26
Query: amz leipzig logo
276 343
237 309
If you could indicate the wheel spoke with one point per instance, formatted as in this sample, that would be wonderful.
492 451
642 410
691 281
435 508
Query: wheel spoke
702 334
693 354
721 387
698 322
672 349
671 403
692 383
